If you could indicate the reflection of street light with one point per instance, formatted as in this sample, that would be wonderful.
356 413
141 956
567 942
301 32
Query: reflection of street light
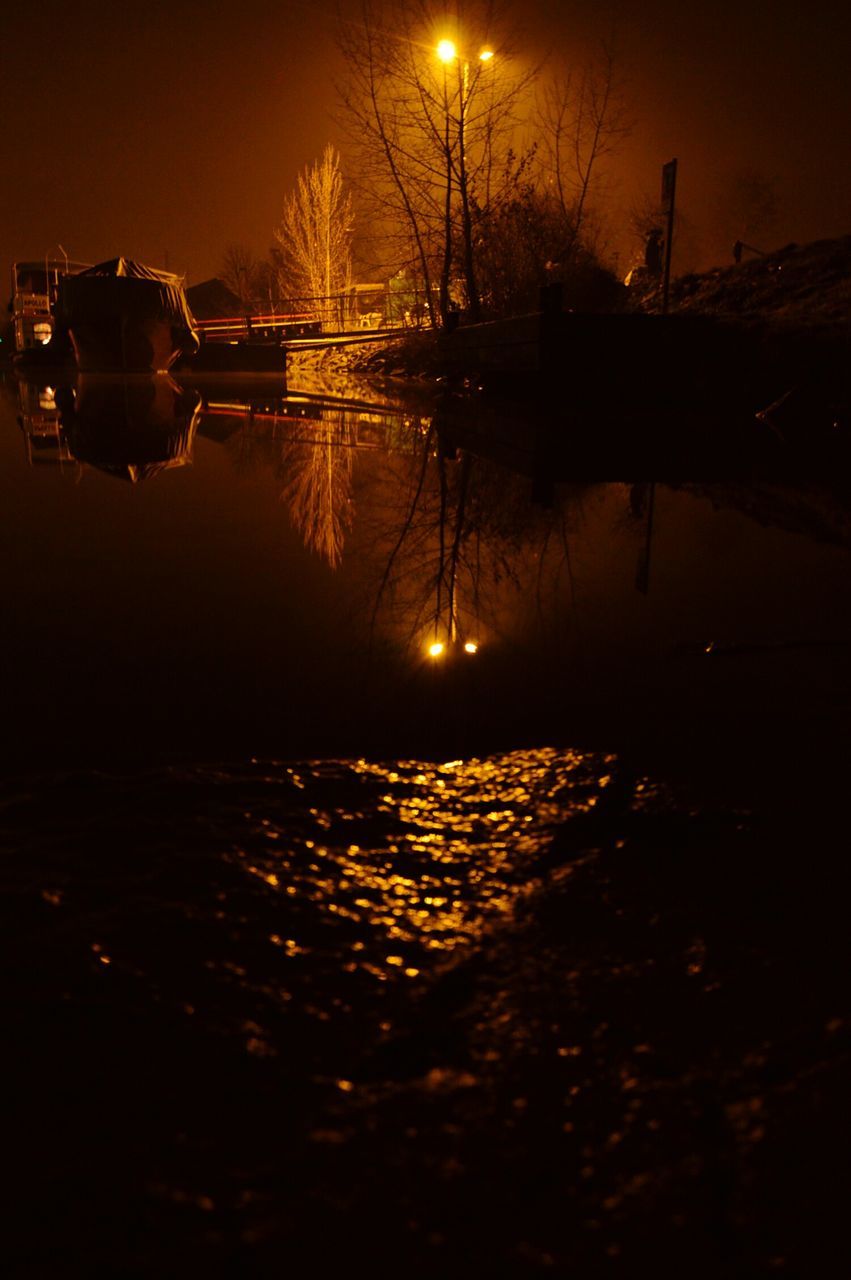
439 650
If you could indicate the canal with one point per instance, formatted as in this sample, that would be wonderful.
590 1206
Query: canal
420 826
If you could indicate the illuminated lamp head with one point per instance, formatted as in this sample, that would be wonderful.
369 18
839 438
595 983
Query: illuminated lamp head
436 650
446 51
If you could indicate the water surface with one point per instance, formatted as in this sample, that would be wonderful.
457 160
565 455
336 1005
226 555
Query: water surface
521 956
203 572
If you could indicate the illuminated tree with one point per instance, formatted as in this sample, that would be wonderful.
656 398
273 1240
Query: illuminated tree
315 233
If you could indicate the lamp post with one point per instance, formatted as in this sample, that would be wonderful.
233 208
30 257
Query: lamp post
448 53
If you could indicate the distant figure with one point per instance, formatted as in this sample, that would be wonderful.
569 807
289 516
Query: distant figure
653 252
737 251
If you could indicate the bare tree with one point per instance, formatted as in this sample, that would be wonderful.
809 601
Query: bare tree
747 208
315 233
427 133
239 271
583 122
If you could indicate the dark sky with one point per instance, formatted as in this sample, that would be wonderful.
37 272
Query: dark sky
167 129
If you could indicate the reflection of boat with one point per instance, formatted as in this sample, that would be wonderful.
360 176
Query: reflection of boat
41 424
35 286
132 428
122 316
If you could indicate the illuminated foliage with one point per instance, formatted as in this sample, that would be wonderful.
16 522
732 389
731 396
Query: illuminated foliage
315 233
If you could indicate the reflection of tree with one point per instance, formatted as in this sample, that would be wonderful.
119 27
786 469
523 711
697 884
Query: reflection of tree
309 444
460 539
318 489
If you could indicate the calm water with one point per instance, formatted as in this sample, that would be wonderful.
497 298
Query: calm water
525 955
245 574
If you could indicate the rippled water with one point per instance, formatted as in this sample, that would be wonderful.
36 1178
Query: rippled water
498 1008
325 878
282 918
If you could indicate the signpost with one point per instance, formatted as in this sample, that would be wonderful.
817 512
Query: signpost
669 192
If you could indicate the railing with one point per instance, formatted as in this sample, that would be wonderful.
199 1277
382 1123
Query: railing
310 316
246 328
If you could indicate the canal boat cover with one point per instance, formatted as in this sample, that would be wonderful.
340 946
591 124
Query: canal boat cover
125 287
123 316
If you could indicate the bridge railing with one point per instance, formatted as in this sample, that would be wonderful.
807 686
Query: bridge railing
362 307
259 327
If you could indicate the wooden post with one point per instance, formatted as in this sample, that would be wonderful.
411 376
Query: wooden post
669 191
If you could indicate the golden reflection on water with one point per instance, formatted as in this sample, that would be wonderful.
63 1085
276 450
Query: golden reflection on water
420 857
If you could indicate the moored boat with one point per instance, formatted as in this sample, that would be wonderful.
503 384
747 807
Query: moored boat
123 316
35 287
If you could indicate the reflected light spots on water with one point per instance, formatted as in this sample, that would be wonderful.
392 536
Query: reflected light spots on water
439 850
281 904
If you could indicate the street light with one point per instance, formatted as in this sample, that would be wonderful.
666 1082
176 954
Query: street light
447 52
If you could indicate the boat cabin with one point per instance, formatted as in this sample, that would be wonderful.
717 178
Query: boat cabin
35 286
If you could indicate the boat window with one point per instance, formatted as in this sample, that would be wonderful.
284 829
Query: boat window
30 281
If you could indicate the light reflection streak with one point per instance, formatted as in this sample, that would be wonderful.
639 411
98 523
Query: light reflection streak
441 851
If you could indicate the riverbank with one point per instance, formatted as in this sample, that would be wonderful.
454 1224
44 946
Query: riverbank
786 315
793 308
806 288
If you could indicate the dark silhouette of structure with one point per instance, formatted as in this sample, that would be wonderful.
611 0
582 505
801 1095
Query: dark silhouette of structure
739 247
653 252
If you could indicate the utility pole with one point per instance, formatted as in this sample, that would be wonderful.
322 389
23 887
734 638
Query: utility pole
669 191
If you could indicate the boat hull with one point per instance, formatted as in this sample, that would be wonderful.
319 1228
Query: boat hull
125 344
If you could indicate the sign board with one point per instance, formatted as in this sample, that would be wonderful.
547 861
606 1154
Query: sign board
669 183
